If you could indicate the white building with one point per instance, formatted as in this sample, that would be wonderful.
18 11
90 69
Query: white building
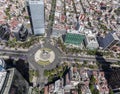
91 40
2 63
59 87
2 77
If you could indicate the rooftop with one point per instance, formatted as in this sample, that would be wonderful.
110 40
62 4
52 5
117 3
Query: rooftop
2 63
35 1
2 77
75 39
107 40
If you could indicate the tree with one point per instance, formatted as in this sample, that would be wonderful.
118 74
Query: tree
117 11
91 52
26 17
46 73
53 71
91 87
102 26
92 80
60 68
42 91
79 65
85 62
79 89
111 92
89 23
95 91
36 73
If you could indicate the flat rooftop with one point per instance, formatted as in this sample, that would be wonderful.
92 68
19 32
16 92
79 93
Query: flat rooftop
2 63
36 1
75 39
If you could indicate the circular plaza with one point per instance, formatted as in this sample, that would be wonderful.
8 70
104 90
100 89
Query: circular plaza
44 56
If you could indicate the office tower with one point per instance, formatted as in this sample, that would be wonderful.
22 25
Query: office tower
23 33
108 41
4 32
12 82
36 14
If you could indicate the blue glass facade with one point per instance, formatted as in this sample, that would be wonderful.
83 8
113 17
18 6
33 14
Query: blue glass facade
108 41
36 13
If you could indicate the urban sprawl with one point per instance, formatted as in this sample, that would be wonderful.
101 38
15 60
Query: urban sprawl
59 46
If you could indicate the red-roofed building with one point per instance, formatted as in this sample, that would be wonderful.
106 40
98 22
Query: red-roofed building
46 90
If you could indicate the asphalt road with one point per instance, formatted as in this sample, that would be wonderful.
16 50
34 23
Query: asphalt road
58 58
90 58
13 53
38 67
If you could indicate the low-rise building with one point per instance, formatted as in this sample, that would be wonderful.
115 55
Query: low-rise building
51 88
74 40
55 88
91 42
101 82
59 87
57 33
84 81
75 76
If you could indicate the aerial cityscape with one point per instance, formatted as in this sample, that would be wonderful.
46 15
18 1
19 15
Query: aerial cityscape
59 46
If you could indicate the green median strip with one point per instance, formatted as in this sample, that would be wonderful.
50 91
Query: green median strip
40 62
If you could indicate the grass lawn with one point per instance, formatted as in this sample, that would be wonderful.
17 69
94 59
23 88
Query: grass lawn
43 62
33 73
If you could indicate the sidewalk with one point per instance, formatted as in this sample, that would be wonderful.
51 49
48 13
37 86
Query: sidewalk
5 57
17 49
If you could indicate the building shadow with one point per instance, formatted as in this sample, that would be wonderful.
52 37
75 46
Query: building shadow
15 81
63 37
101 62
9 63
112 75
21 65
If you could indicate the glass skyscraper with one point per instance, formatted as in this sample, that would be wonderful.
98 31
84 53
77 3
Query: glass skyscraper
36 14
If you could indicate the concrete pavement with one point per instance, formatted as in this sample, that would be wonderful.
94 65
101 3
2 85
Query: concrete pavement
91 58
59 56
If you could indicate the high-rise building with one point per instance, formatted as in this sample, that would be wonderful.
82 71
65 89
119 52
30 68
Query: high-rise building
108 41
4 32
11 81
36 14
23 33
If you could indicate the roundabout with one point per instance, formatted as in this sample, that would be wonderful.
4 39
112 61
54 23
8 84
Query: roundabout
44 56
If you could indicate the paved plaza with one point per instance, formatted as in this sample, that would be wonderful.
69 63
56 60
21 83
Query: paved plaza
44 56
